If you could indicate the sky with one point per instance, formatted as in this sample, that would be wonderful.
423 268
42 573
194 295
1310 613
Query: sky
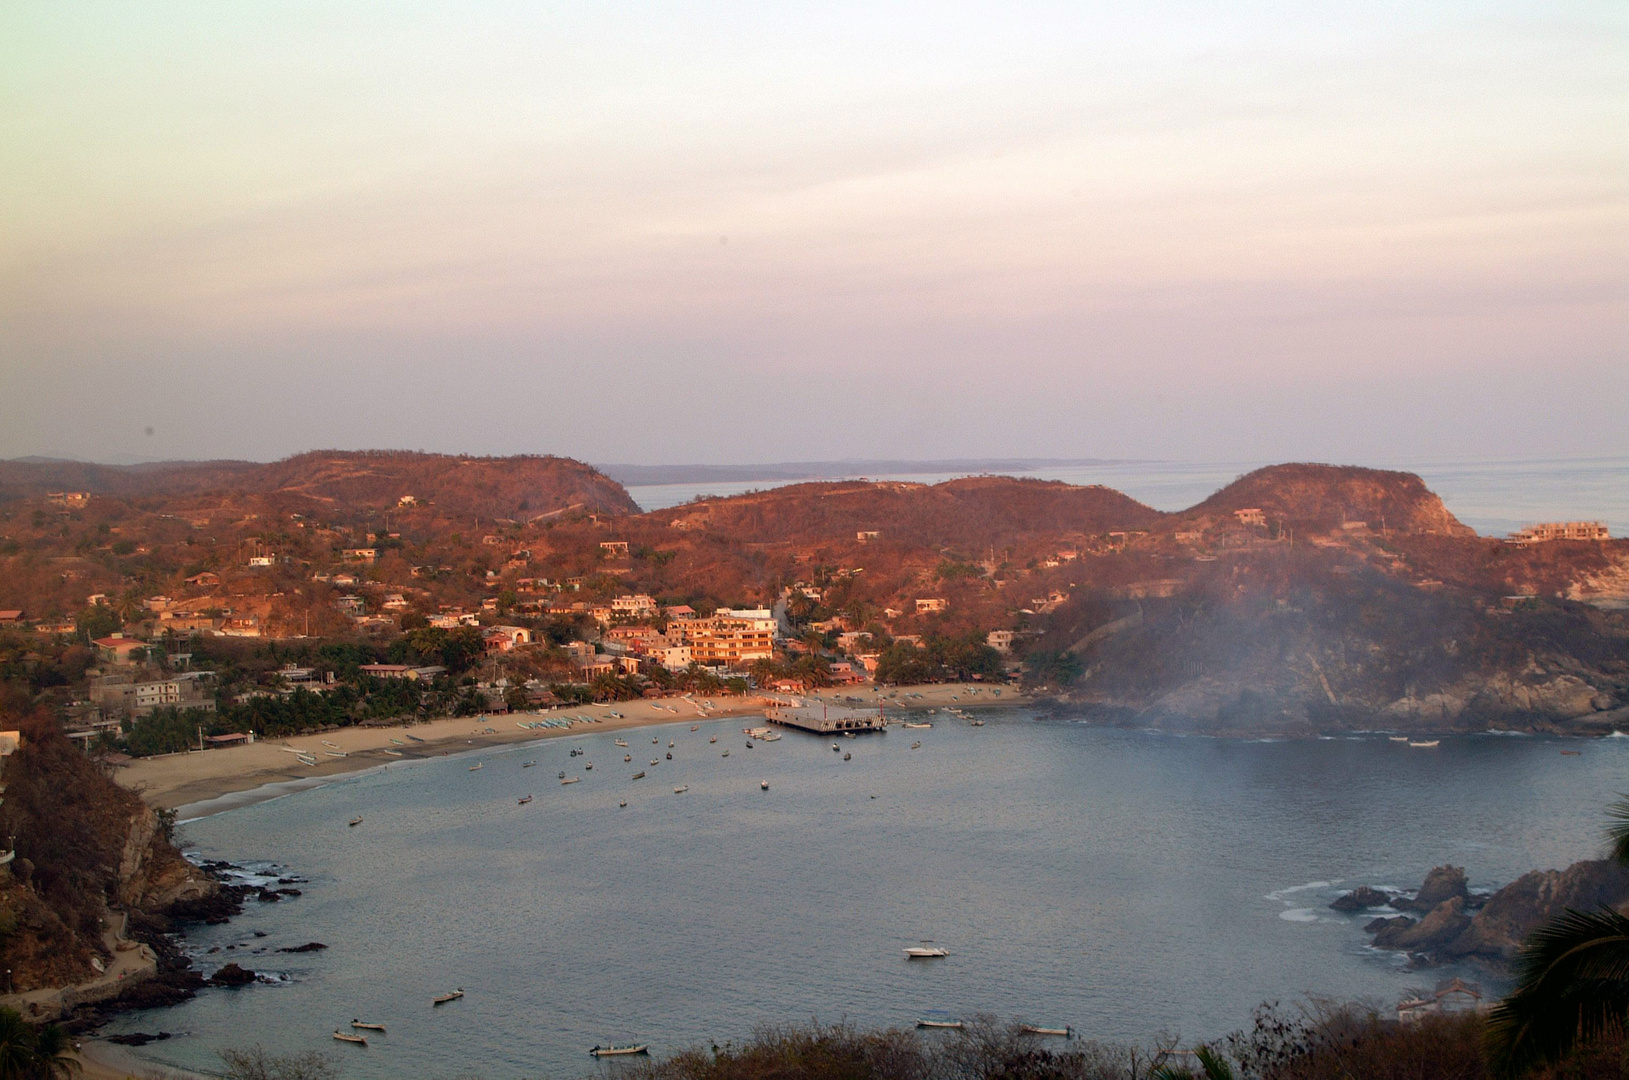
731 232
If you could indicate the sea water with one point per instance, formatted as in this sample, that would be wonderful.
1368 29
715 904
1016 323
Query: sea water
1492 497
1120 882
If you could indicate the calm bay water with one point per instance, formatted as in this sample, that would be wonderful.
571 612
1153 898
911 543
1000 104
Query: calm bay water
1493 497
1118 881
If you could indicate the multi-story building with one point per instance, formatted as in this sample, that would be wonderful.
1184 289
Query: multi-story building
730 637
1560 530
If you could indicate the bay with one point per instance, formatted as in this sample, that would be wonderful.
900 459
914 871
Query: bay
1119 881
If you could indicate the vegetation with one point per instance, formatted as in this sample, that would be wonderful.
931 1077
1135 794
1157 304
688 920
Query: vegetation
28 1053
948 658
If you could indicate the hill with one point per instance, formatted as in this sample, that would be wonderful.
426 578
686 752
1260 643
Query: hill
1329 496
337 482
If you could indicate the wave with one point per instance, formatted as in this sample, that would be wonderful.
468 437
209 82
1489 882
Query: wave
1280 894
1300 915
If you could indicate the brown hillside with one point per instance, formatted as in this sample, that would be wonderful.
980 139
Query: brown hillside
1325 496
969 513
508 487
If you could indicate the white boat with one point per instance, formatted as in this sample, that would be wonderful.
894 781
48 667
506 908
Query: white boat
725 754
1063 1032
357 1039
368 1027
773 736
917 745
619 1050
325 742
336 753
307 759
926 951
681 790
909 724
1425 745
955 1024
627 757
444 998
976 723
1397 738
477 766
394 753
764 784
622 742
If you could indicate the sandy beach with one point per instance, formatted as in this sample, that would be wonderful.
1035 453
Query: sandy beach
185 780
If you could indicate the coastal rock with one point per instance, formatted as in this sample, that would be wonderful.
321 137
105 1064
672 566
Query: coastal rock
1361 899
232 975
310 946
1515 911
1441 884
1446 922
1375 926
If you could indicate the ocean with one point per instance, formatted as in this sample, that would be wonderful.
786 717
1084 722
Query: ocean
1120 882
1493 497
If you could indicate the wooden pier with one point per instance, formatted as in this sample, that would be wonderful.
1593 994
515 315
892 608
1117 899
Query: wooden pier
825 719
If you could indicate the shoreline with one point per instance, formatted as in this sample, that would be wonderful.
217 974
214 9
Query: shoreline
205 782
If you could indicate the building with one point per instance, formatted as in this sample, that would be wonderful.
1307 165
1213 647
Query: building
1251 516
185 691
208 577
730 637
1559 530
388 671
999 640
614 549
634 606
118 649
506 638
930 604
865 536
361 554
11 616
68 500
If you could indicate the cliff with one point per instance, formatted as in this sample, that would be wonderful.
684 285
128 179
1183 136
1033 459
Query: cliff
86 850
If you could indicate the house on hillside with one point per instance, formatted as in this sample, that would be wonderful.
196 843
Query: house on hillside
118 649
1253 516
614 549
928 605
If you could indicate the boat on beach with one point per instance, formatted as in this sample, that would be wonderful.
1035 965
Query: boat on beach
444 998
394 753
926 1023
619 1050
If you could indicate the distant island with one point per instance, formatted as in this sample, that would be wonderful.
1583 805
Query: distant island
640 475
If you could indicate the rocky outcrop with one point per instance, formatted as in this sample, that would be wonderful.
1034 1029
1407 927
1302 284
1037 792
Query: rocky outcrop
1495 933
1361 899
152 874
232 975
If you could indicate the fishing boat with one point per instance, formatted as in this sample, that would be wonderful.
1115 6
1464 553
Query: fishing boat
623 804
478 766
368 1027
622 742
909 724
572 780
524 799
528 764
836 749
588 764
638 775
357 1039
444 998
415 738
1397 738
394 753
926 951
1063 1032
619 1050
725 754
1425 745
653 761
764 784
917 745
656 742
712 738
670 744
680 790
306 759
627 757
695 727
336 753
848 757
355 822
926 1023
325 742
398 742
749 744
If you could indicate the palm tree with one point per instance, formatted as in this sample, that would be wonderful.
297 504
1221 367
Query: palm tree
1572 981
16 1046
54 1054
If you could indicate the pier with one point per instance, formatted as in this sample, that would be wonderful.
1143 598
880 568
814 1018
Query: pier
825 719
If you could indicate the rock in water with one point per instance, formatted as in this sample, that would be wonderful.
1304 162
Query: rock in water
1515 911
310 946
1443 883
1361 899
232 975
1445 923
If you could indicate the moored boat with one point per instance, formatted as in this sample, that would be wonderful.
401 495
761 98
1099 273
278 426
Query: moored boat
622 742
926 951
681 789
1425 745
925 1023
1063 1032
764 784
394 753
368 1027
444 998
619 1049
571 780
357 1039
355 822
1397 738
524 799
638 775
479 765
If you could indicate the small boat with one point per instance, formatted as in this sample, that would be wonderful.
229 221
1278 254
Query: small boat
1397 738
415 738
656 742
478 766
623 804
358 1039
444 998
848 757
1425 745
749 744
619 1050
306 759
725 754
764 784
572 780
670 744
1063 1032
528 764
975 723
681 789
911 725
695 727
926 951
627 757
835 748
712 738
368 1027
336 753
1571 753
917 745
562 774
653 761
394 753
325 742
398 742
524 799
355 822
622 742
670 755
588 764
954 1024
848 734
637 776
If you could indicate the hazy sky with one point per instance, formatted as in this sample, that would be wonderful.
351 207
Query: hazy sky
730 232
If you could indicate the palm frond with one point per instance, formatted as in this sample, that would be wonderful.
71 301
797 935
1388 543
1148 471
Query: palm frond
1572 986
1214 1064
1617 829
